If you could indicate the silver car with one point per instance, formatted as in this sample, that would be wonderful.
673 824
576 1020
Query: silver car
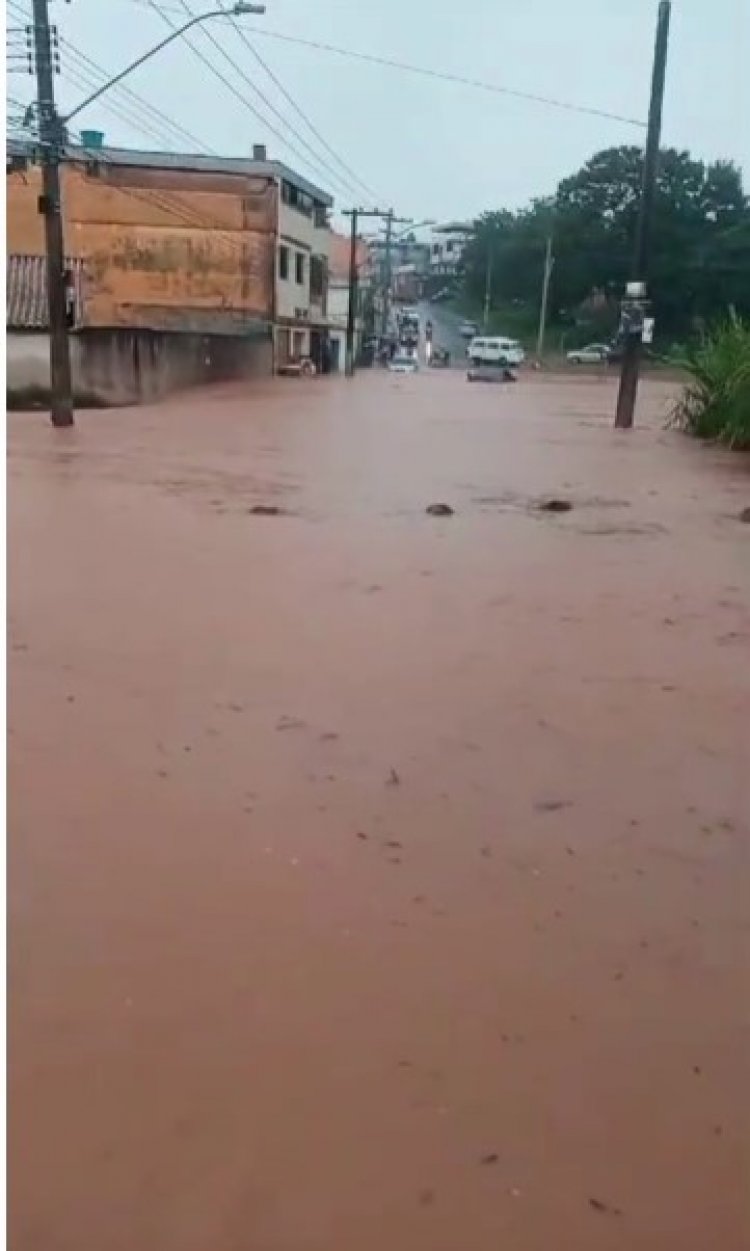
591 354
403 363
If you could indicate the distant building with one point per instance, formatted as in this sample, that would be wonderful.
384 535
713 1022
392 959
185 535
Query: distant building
446 247
186 267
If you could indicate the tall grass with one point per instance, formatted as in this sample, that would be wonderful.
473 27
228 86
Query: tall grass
716 401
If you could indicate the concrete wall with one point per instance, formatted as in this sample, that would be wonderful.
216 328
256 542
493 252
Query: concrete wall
160 246
121 367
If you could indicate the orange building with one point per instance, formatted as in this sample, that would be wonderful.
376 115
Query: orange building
175 264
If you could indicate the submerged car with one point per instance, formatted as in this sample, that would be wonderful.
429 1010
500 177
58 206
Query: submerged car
490 371
403 363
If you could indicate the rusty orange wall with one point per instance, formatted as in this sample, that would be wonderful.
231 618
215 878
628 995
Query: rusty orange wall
157 241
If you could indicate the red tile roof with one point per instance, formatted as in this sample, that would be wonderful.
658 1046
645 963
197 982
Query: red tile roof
26 291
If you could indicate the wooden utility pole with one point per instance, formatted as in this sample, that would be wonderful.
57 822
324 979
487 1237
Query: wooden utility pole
51 138
549 264
638 290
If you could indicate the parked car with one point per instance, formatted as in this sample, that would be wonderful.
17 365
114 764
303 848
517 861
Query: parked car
491 350
591 354
403 363
468 329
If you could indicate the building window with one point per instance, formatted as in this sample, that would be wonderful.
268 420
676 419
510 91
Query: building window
299 267
449 246
283 263
296 198
317 277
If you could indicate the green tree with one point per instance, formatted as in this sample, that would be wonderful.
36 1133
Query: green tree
700 252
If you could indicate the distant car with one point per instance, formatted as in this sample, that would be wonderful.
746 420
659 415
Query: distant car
468 329
403 363
591 354
493 350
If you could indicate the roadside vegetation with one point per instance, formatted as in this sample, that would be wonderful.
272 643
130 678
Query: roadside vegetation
700 261
715 403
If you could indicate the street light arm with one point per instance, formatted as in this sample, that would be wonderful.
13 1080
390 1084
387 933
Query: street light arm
237 10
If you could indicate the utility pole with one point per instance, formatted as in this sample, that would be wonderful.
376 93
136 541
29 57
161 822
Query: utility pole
637 290
51 142
549 264
390 219
355 215
351 307
387 272
487 290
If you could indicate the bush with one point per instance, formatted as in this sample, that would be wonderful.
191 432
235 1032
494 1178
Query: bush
716 401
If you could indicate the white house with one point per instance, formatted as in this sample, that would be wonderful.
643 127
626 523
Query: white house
446 247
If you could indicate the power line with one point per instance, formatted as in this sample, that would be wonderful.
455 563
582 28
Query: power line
83 79
138 101
440 75
447 76
320 161
299 111
180 132
231 87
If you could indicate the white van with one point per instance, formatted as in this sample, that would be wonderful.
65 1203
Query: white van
484 350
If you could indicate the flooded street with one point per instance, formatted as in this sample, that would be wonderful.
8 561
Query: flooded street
379 880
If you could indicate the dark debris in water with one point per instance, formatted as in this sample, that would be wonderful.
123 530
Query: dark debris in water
554 505
439 510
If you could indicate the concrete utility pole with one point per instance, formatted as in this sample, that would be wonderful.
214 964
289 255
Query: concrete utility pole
355 215
637 290
487 291
51 142
390 220
352 305
549 264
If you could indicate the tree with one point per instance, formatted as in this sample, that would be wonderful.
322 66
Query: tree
700 254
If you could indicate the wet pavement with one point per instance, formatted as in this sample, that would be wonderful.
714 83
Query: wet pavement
378 879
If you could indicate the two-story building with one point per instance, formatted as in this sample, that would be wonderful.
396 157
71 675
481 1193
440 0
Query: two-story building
187 267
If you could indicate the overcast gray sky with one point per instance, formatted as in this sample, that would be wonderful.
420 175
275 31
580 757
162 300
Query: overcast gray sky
432 148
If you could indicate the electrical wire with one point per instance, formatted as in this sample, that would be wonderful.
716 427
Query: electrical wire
180 132
439 75
231 87
85 82
320 161
322 166
155 115
300 112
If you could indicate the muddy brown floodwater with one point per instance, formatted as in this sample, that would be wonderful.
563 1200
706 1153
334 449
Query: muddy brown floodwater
379 880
